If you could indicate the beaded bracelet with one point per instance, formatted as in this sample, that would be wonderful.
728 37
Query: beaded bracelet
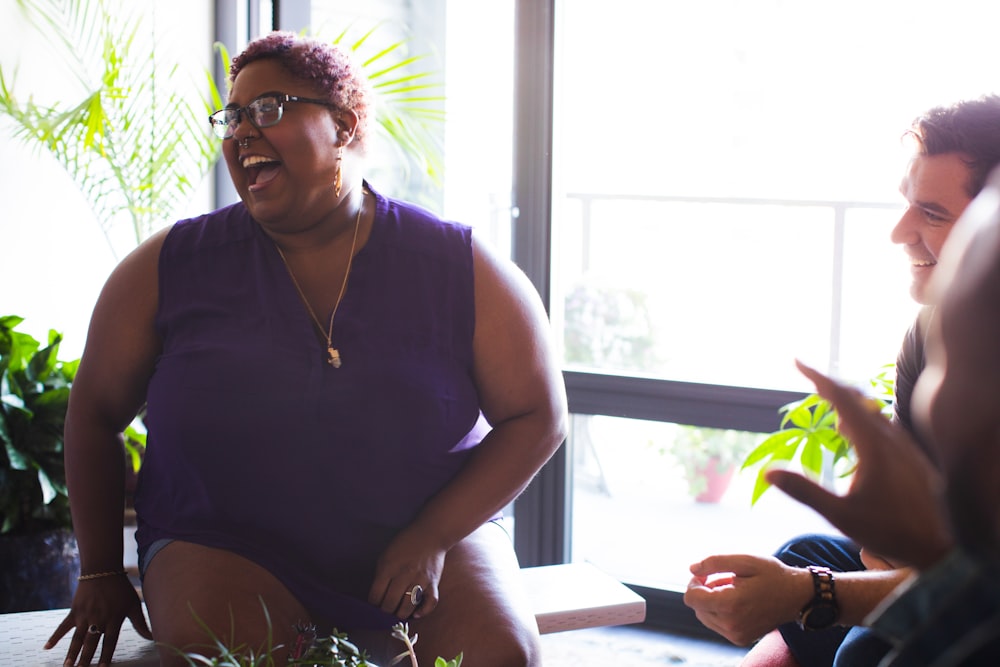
100 575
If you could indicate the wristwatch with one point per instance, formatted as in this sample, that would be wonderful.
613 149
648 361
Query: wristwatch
822 611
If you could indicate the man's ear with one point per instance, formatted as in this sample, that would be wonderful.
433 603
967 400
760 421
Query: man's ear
347 125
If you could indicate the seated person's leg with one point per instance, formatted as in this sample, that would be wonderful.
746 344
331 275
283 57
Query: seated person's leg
837 553
861 646
819 648
770 651
184 583
483 611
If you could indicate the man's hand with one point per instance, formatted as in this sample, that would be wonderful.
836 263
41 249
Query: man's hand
745 597
893 505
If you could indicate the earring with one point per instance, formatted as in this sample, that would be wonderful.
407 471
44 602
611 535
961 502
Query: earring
338 180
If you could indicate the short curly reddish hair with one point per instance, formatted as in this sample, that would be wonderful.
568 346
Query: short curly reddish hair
327 67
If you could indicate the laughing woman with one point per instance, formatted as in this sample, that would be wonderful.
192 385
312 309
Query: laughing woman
342 392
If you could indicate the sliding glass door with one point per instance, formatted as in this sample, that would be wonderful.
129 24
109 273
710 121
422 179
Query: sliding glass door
724 182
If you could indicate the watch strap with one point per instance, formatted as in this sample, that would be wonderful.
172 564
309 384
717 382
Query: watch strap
824 599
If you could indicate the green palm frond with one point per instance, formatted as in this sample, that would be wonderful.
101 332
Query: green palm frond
409 103
135 144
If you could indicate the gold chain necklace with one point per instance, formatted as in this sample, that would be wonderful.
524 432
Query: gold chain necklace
334 354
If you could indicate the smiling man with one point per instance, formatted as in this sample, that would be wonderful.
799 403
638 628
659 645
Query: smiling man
936 189
950 614
956 148
818 589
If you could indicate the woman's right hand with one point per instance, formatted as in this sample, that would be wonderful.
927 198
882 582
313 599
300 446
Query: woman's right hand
108 391
99 608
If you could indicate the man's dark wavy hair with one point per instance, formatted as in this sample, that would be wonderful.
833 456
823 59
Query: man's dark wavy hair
970 128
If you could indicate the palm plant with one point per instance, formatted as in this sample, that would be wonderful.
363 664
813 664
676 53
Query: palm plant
409 108
135 144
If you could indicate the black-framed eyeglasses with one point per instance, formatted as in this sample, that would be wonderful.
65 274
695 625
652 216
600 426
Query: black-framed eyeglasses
264 111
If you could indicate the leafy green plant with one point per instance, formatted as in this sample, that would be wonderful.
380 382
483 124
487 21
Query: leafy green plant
34 393
134 143
808 435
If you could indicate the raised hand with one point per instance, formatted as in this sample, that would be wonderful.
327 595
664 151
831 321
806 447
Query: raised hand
893 505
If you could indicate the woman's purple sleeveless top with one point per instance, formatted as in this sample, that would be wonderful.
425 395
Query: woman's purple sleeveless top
258 446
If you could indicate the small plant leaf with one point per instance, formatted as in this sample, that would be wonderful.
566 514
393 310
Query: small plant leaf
759 487
768 447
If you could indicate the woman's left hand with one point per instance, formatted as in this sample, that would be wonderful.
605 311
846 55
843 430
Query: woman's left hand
407 576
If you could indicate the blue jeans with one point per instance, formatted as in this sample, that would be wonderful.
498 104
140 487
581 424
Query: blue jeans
837 646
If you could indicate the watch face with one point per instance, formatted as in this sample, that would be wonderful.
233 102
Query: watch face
820 616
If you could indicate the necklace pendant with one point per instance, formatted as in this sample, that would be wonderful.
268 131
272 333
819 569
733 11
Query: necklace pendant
334 359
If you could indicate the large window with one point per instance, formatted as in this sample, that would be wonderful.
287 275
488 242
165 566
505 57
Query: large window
733 166
724 182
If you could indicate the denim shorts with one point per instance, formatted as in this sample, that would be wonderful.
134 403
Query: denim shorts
151 552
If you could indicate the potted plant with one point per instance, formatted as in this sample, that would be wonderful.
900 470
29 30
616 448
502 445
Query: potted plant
808 436
38 557
709 457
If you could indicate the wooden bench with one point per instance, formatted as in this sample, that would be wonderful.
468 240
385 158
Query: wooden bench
565 597
578 595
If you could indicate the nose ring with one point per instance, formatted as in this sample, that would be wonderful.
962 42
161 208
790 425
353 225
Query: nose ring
244 142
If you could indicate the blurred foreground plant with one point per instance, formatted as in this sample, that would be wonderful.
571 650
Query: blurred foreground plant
312 650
